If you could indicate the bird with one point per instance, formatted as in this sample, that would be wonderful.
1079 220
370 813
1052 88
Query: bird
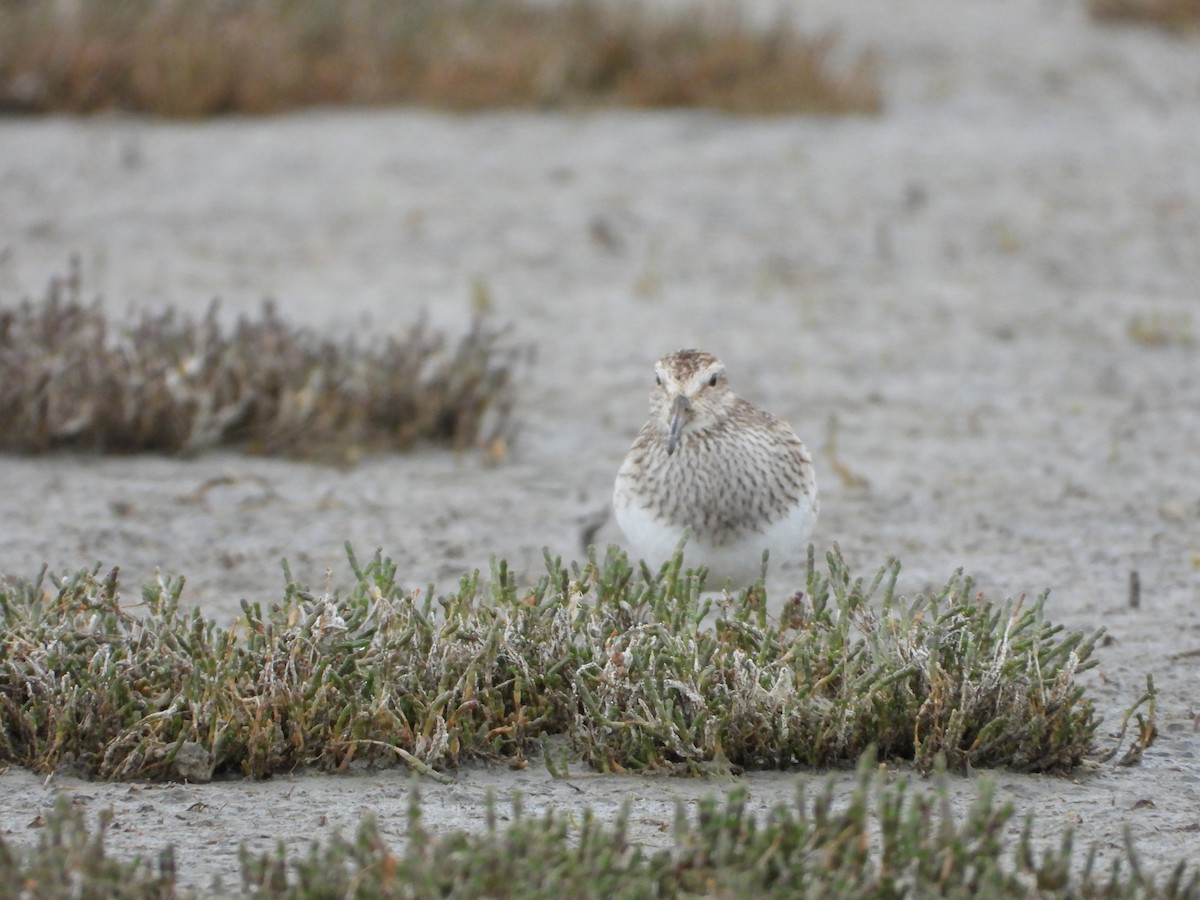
712 467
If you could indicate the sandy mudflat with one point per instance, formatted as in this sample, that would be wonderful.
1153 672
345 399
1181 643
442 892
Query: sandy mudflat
955 284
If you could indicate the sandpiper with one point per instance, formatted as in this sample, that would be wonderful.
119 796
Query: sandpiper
734 478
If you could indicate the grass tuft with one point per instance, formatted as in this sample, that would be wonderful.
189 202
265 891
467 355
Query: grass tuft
851 665
624 663
70 380
182 58
884 840
70 860
1170 15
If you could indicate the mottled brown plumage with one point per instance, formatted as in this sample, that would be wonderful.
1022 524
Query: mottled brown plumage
735 478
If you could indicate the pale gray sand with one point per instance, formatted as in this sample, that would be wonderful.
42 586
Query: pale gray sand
954 283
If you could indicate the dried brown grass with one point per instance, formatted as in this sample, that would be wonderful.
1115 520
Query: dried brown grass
166 383
188 58
1172 15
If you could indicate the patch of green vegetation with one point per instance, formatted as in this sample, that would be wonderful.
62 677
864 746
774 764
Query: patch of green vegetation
884 841
70 860
71 380
624 662
183 58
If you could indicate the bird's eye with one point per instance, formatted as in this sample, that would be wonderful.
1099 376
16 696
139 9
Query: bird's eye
658 379
712 381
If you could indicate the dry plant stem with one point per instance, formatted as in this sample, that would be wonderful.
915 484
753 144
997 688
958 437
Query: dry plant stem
623 664
413 762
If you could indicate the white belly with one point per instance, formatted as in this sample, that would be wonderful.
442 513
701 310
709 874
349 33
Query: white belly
738 561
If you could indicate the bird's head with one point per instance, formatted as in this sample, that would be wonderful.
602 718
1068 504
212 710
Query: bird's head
690 394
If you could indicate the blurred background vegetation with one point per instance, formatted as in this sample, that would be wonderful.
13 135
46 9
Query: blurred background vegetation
208 57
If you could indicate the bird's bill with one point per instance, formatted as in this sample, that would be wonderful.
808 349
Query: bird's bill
681 409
